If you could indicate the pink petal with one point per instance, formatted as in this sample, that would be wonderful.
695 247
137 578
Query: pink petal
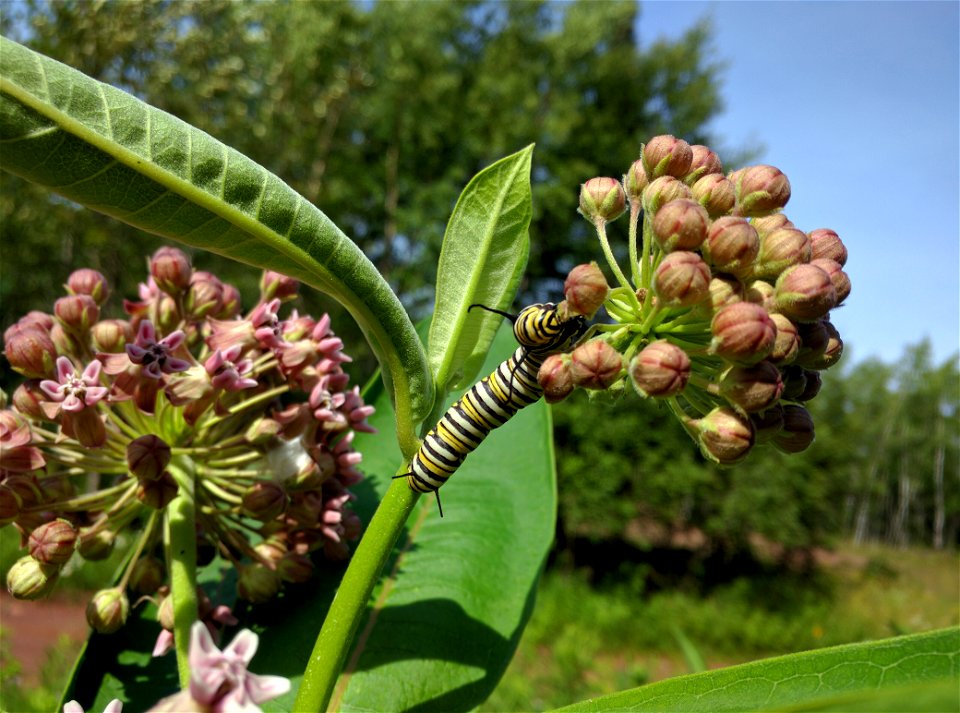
73 403
244 645
146 333
114 706
91 373
173 340
263 688
173 364
51 389
96 393
72 707
164 643
136 353
65 369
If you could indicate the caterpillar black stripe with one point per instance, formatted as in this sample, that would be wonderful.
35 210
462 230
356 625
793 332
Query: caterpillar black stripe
493 400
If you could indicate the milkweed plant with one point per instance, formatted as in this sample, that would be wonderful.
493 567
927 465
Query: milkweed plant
194 429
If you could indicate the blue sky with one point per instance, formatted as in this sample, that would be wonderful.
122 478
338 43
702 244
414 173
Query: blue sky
859 104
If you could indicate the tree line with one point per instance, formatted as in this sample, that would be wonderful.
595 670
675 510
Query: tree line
379 114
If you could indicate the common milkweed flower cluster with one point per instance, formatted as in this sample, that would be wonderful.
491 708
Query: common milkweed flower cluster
724 309
250 415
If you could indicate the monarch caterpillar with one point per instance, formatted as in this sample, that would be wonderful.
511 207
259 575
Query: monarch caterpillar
493 400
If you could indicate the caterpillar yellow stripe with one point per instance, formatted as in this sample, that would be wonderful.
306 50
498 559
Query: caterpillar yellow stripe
493 400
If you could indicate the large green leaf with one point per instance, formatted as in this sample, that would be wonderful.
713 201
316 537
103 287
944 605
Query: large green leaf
917 672
105 149
484 252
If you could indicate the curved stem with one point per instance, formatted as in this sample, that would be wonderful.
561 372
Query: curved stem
336 635
181 542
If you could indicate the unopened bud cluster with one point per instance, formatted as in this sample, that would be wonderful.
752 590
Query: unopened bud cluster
724 310
250 414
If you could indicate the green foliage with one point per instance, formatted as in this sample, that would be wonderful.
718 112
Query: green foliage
18 698
817 680
484 253
376 112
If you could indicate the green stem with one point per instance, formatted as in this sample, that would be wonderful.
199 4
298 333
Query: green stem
349 604
601 227
181 540
634 258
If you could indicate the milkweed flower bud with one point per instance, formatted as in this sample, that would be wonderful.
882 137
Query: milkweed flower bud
265 500
28 397
159 493
111 335
635 181
814 382
731 245
780 249
595 365
53 542
274 284
30 351
762 293
556 378
660 370
750 389
295 567
96 545
787 344
88 282
602 199
171 270
724 290
148 457
77 313
666 155
840 279
760 189
797 433
767 424
805 293
663 190
825 243
715 193
585 289
743 332
821 346
257 584
682 279
704 162
681 225
147 575
108 610
725 437
9 505
31 579
768 223
794 382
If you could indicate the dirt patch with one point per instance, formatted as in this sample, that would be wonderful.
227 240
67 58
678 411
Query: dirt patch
32 628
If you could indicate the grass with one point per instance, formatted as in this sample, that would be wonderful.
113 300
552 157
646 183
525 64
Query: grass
582 642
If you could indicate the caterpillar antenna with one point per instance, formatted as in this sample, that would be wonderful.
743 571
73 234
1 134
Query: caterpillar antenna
511 317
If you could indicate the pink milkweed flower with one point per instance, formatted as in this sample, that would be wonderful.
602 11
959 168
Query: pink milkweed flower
225 371
71 391
220 679
114 706
155 357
